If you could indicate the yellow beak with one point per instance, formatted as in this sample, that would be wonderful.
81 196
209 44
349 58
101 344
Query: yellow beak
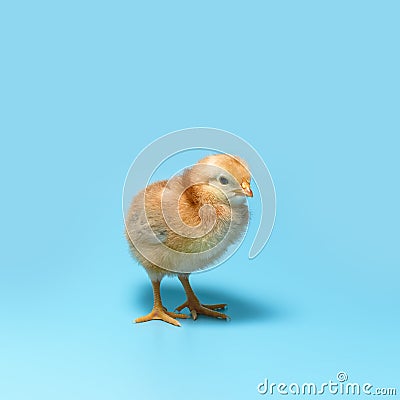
246 189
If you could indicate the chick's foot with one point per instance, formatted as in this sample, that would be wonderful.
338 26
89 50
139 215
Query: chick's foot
162 314
159 311
196 308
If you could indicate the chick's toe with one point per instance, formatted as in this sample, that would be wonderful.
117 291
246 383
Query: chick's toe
160 314
196 308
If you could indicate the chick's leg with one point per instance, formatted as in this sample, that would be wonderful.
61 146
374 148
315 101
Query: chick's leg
194 305
160 312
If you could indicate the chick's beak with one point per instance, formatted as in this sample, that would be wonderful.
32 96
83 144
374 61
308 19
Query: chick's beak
246 189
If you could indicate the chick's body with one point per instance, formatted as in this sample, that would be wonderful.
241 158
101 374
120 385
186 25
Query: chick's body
186 224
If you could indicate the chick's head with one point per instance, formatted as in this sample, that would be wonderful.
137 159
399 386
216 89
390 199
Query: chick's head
219 178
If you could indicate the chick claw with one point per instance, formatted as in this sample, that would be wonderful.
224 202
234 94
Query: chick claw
196 308
162 314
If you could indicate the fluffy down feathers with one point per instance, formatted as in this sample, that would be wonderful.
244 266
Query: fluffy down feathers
187 223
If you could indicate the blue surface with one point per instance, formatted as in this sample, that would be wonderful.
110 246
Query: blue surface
313 86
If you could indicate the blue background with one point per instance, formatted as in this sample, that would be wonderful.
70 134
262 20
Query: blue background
313 86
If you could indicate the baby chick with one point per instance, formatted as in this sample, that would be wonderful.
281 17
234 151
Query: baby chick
186 224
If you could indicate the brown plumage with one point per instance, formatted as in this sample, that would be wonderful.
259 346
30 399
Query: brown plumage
186 224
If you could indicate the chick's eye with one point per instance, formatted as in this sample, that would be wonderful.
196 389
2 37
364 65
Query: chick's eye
223 180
